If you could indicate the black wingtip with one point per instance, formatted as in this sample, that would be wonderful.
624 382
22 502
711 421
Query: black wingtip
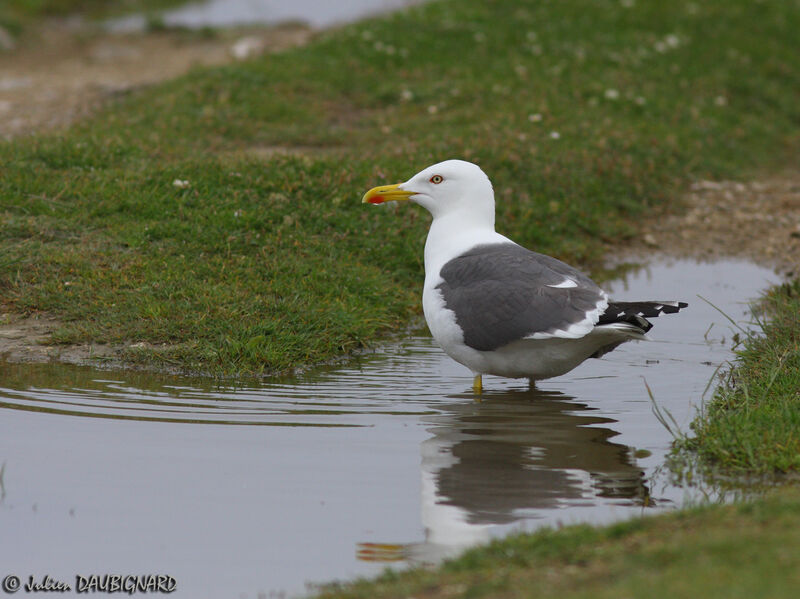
637 313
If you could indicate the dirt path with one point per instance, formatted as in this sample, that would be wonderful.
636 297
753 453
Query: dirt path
757 221
62 73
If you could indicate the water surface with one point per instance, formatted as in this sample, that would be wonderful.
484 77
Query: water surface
247 490
227 13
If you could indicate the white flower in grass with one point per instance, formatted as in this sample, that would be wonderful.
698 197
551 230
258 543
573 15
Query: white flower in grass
555 135
181 183
611 94
535 117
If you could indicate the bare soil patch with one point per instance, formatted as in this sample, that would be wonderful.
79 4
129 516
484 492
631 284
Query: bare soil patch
28 339
63 71
757 221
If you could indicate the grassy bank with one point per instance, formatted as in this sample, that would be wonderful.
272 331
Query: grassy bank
588 116
16 15
29 11
746 550
752 424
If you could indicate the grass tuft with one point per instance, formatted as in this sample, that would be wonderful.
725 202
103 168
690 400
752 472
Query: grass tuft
752 424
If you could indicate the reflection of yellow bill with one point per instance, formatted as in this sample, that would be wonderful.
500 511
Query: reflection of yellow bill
381 552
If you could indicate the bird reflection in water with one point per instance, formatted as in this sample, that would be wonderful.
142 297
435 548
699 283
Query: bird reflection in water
509 458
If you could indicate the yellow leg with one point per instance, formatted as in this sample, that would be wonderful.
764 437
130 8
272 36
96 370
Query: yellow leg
477 384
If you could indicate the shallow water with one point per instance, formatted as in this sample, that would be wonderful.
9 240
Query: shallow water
227 13
241 490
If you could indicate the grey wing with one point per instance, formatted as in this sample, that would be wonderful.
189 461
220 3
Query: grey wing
503 292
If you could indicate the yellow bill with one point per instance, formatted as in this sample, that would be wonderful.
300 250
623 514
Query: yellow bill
386 193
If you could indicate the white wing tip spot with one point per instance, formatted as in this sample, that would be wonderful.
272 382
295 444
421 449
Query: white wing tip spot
565 284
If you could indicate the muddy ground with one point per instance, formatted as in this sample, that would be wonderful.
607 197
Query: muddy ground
64 71
754 220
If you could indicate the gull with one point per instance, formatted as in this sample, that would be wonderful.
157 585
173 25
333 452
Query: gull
497 307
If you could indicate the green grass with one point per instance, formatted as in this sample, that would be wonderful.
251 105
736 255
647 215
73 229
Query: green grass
748 550
752 424
19 14
39 8
269 261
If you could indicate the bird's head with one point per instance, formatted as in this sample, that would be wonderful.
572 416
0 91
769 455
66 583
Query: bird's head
452 186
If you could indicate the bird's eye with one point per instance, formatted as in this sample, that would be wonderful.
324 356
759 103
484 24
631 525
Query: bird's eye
436 179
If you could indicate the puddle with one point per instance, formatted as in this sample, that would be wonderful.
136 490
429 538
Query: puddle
228 13
252 490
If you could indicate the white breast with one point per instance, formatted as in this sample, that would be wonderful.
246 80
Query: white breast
448 239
